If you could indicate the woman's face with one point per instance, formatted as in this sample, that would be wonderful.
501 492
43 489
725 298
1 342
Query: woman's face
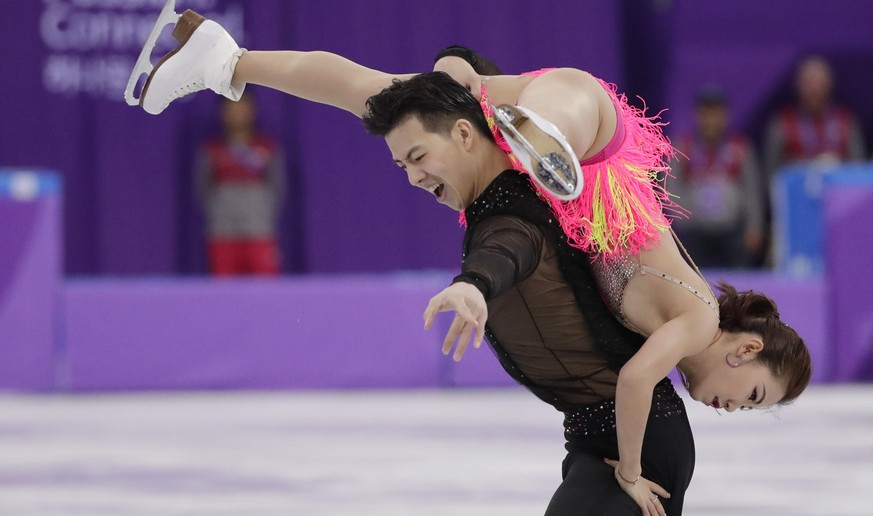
750 385
461 71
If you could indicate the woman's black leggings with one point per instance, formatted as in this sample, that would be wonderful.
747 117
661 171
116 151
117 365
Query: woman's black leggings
590 488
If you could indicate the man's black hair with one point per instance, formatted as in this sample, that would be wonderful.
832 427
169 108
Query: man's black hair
436 99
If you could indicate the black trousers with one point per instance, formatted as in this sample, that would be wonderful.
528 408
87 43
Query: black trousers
589 487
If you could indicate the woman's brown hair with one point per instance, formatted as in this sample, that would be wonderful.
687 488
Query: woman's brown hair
784 351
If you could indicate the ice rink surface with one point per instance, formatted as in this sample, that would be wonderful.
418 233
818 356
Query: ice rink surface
397 453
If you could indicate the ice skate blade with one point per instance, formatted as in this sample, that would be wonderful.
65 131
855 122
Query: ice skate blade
568 191
143 64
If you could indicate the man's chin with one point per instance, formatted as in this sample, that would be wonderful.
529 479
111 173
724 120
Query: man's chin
454 205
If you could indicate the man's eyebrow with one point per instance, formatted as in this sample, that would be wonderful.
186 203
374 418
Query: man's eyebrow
408 154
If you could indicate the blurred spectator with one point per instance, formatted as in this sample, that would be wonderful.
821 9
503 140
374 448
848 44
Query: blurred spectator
815 129
240 181
718 182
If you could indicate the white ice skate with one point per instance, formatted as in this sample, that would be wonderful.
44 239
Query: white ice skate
205 58
558 170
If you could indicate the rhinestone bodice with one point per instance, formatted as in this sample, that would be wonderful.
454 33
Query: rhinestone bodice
614 276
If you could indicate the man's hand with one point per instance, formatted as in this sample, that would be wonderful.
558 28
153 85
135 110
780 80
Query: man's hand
471 312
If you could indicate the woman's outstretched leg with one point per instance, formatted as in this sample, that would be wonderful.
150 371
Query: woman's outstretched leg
577 105
317 76
208 57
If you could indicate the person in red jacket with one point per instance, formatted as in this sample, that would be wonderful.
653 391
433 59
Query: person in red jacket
717 179
815 128
240 182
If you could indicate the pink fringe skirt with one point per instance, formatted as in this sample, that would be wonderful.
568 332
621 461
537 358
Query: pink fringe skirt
623 205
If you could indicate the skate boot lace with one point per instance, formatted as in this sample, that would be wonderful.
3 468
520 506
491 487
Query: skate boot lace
185 89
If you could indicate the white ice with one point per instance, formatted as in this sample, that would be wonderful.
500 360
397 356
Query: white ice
403 453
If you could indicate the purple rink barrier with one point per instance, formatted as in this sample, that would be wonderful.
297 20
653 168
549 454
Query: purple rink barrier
308 332
313 332
848 223
30 278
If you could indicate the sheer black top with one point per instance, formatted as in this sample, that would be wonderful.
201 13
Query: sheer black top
547 322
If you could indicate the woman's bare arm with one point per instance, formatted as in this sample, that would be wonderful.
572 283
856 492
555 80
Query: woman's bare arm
678 338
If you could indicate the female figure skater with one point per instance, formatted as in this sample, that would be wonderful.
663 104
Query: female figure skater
645 280
532 249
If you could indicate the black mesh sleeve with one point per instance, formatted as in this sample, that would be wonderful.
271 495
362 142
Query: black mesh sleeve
503 251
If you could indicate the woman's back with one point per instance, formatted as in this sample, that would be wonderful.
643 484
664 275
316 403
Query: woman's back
647 290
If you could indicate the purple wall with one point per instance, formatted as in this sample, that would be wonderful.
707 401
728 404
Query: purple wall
751 47
129 205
